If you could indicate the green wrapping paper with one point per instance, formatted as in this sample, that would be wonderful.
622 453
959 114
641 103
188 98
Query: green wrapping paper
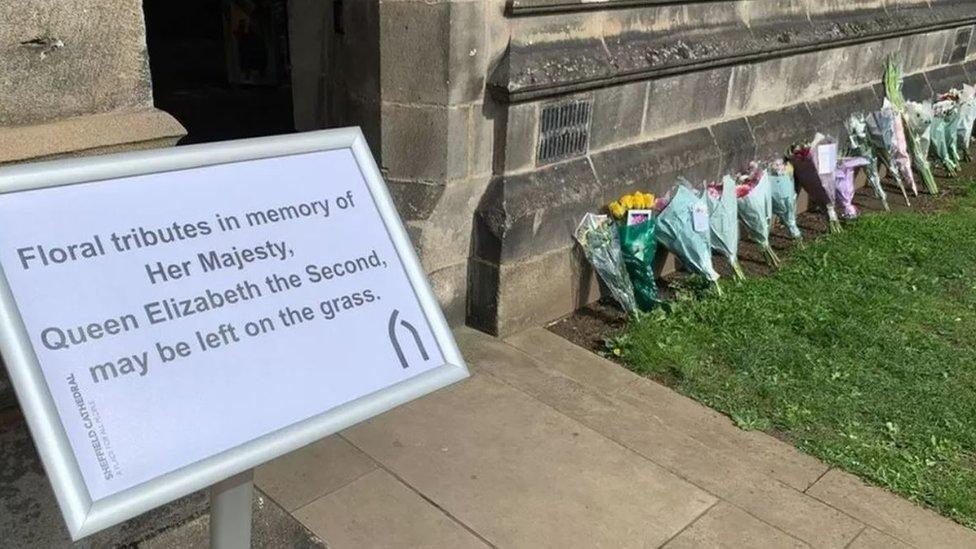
637 244
783 190
600 242
678 231
723 222
756 213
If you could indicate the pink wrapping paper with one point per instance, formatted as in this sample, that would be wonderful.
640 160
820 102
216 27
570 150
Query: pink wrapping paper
902 158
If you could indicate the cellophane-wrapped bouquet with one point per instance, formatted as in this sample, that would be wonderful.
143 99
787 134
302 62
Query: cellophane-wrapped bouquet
903 159
944 129
754 194
598 237
636 227
967 117
845 184
917 152
783 191
859 144
920 117
881 130
814 168
723 216
683 228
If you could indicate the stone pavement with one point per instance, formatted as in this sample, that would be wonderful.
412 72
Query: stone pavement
548 445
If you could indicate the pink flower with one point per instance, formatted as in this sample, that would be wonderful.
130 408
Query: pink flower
660 203
742 190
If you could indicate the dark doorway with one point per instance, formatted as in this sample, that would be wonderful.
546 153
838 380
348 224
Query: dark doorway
221 67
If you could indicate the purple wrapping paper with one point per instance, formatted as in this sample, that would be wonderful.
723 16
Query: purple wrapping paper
844 178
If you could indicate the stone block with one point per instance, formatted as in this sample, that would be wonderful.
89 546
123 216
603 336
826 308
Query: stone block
101 67
481 145
450 285
769 85
689 100
378 510
923 51
970 69
415 200
617 114
442 453
735 143
946 78
444 238
655 165
407 31
890 513
468 52
775 131
424 141
915 87
728 526
559 282
97 134
535 212
452 71
831 114
300 477
517 137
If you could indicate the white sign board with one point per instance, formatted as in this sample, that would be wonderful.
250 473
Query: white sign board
175 317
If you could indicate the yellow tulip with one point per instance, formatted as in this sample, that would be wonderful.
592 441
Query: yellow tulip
617 210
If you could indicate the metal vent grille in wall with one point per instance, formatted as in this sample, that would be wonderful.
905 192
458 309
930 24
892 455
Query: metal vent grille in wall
564 131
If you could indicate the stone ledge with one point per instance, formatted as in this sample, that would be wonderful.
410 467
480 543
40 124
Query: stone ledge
94 134
530 71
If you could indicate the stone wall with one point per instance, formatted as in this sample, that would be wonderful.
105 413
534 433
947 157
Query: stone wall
449 93
689 88
74 79
88 90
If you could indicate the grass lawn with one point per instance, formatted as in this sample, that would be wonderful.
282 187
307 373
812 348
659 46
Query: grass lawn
861 351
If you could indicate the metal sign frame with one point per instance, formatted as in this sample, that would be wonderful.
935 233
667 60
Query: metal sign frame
84 516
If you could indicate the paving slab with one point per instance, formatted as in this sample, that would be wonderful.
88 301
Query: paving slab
714 430
726 526
572 361
889 513
730 473
523 475
271 528
377 510
298 478
871 538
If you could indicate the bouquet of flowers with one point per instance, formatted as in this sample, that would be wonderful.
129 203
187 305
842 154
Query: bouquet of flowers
635 224
755 199
845 184
723 220
683 227
597 235
944 132
914 150
783 191
919 118
967 118
814 168
859 144
902 158
881 130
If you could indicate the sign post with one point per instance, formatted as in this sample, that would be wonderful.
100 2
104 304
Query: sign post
172 319
230 512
